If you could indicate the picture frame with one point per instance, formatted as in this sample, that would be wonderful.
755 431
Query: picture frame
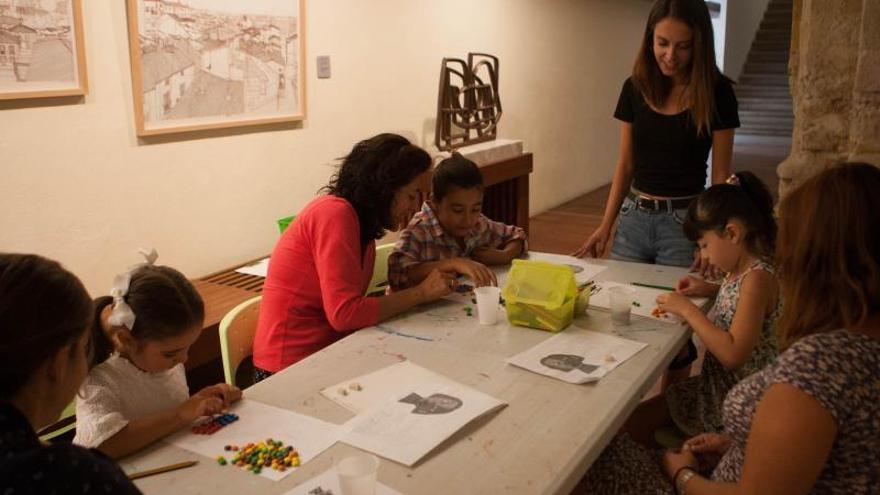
212 64
42 52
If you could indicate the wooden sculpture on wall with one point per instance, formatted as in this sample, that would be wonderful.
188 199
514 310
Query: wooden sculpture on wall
468 105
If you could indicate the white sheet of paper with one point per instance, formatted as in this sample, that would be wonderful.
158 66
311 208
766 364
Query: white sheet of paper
577 357
327 483
257 422
408 426
377 387
646 298
258 268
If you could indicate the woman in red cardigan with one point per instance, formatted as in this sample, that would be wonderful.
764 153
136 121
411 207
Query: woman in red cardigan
323 263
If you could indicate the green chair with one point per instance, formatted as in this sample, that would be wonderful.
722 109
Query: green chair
283 223
237 330
65 423
380 270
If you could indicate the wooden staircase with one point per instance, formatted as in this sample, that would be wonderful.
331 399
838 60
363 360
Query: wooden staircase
765 107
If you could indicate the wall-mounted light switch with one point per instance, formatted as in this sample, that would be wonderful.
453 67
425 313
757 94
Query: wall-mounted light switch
324 67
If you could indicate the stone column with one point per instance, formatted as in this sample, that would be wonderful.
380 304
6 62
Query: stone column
834 75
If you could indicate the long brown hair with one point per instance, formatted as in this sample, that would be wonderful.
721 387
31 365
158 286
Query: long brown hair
704 73
829 252
43 308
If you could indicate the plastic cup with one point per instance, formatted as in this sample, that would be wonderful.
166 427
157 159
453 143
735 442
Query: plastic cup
621 304
357 474
487 304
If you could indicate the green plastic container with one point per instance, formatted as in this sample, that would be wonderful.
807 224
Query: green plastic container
540 295
283 223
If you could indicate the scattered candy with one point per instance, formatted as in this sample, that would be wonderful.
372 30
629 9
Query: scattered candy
609 358
637 304
211 426
658 313
342 391
355 386
269 454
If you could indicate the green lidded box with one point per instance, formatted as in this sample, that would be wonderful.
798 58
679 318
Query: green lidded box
540 295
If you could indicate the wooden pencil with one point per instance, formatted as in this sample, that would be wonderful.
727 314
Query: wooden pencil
163 469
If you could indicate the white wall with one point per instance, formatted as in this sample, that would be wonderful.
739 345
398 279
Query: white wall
719 29
743 20
78 186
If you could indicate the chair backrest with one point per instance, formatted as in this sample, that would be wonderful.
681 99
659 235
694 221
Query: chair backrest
237 331
380 269
66 422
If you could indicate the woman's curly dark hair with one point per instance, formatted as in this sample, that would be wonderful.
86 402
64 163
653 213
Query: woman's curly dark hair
371 174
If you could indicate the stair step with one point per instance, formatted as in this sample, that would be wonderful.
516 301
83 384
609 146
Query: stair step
763 132
768 104
765 68
763 80
774 35
765 116
775 92
772 45
765 56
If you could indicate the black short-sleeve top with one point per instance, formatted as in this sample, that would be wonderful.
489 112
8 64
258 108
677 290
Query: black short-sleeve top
669 158
28 467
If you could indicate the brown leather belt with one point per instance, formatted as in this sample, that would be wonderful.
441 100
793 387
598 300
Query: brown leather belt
651 204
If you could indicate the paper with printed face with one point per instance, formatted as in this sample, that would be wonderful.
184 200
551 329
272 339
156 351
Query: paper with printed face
367 391
327 483
258 422
577 357
407 425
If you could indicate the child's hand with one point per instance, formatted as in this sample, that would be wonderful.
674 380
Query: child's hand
225 392
675 303
436 285
707 443
199 405
478 272
708 449
695 287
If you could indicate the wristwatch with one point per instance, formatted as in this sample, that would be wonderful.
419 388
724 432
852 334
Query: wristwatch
684 475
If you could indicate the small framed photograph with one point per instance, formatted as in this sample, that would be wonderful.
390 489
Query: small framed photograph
209 64
41 49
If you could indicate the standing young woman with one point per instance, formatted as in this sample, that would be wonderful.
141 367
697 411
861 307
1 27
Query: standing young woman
674 108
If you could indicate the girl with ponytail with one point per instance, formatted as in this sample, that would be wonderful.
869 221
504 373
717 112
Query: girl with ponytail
734 226
136 391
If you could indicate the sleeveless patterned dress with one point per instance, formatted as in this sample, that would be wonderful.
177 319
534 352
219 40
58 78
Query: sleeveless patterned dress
695 403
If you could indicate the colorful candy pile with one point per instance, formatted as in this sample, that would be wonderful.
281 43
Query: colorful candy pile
269 454
210 426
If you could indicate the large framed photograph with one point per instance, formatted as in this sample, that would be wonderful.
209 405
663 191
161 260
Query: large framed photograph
209 64
41 49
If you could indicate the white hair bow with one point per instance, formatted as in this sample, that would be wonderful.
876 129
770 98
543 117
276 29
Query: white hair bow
122 314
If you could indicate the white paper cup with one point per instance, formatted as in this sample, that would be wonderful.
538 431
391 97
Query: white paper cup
487 304
357 474
621 304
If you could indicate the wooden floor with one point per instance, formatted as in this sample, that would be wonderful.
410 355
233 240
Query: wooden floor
564 228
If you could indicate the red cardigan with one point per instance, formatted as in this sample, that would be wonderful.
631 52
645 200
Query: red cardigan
314 291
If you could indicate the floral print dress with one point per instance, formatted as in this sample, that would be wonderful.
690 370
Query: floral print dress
695 403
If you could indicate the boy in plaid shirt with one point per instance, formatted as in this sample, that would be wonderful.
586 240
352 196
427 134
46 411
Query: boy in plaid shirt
451 234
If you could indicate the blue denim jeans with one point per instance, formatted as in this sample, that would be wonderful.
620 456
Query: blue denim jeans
652 236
